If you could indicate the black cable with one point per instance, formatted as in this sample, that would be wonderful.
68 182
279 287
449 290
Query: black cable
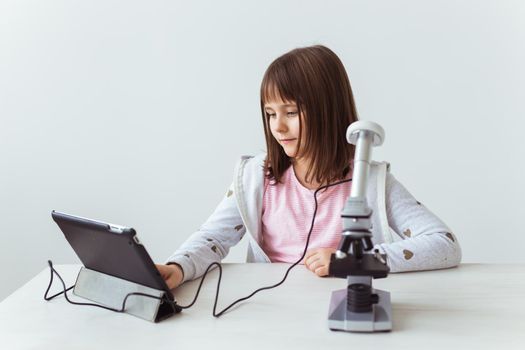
287 271
53 271
215 314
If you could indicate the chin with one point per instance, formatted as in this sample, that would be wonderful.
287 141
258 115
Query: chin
290 154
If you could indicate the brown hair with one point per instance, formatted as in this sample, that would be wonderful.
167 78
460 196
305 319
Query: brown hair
316 80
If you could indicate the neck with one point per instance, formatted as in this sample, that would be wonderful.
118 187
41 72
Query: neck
300 167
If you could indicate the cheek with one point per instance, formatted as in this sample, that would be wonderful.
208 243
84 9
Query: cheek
271 126
273 131
296 126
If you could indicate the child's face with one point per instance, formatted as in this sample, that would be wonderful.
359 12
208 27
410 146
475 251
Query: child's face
284 124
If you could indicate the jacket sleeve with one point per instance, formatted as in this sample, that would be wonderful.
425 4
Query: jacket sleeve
426 242
212 242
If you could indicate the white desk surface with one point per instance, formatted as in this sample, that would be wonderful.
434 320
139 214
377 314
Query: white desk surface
472 306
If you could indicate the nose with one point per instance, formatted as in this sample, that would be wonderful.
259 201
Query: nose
280 124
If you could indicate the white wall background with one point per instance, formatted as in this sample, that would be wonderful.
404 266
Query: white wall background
135 112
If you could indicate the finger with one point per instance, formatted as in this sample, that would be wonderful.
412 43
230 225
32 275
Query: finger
325 260
162 270
312 260
321 271
309 254
171 283
316 265
309 267
174 280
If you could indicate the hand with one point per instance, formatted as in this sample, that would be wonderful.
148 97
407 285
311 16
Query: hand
172 274
318 260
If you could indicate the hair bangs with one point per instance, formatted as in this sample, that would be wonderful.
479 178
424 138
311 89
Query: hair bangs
277 84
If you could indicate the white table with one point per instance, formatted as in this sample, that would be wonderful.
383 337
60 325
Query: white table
473 306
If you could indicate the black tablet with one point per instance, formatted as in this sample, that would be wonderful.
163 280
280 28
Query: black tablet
111 249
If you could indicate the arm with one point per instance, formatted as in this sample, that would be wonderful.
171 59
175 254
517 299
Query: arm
212 242
427 243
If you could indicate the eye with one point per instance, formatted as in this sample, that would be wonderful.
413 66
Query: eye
291 114
271 115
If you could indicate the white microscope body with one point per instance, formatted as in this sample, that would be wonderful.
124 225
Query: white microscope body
359 307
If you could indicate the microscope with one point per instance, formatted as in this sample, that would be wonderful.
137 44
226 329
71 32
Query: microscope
359 307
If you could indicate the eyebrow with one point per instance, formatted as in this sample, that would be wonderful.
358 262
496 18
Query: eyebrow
286 105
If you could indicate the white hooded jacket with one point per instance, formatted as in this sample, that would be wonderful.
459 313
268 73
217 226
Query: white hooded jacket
410 235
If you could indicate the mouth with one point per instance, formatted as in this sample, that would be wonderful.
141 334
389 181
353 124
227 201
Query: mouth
286 141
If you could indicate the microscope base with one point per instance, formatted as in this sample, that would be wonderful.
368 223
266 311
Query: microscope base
379 319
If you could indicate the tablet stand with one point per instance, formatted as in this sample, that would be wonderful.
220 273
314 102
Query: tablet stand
111 291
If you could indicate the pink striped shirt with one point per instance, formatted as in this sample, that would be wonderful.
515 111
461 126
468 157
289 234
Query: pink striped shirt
287 216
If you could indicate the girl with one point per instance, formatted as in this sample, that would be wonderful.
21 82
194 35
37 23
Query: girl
307 105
